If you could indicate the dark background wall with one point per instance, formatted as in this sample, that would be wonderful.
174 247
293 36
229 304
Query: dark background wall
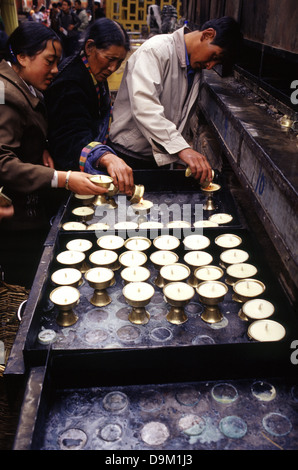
269 22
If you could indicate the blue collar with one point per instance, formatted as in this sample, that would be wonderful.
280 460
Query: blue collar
187 61
190 70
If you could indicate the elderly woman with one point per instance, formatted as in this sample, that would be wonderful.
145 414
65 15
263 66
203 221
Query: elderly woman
79 106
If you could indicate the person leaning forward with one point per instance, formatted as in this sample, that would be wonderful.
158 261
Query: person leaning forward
79 106
27 173
158 92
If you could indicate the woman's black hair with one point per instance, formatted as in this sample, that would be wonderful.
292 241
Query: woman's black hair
105 33
29 38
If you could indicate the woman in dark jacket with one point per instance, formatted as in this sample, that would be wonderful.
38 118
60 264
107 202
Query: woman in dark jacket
27 174
79 107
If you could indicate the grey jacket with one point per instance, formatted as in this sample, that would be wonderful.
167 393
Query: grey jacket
152 108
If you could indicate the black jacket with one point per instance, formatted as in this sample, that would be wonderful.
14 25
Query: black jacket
75 114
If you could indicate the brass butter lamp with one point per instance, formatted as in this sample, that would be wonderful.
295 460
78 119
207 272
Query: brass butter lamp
83 213
100 279
138 295
208 187
209 193
246 289
104 181
211 293
162 258
178 295
65 298
138 194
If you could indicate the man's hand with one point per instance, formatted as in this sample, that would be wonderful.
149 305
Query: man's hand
121 173
197 163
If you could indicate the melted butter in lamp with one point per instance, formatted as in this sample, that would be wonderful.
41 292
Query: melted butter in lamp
174 272
85 198
266 330
99 275
83 211
249 287
196 242
74 226
126 225
221 218
65 295
211 187
258 309
166 242
150 225
66 276
101 180
79 244
137 244
205 223
178 224
138 291
110 242
178 291
103 257
132 258
208 273
198 258
233 256
241 270
70 257
135 274
163 257
212 289
143 205
228 240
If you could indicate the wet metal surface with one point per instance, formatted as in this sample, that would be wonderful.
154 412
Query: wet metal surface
110 382
264 158
221 415
167 207
108 327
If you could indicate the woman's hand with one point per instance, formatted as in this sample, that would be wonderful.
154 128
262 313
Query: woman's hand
47 159
121 173
6 212
79 183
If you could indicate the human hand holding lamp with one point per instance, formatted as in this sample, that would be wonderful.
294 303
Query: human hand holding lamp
158 95
34 53
79 106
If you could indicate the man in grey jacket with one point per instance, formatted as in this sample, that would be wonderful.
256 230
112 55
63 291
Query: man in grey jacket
158 92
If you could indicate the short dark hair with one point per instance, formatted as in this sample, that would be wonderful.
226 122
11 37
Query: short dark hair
105 33
228 36
29 38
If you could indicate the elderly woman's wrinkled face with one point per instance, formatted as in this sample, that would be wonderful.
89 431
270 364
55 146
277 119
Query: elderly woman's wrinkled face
104 62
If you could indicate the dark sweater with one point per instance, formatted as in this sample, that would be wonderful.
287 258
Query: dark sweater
75 115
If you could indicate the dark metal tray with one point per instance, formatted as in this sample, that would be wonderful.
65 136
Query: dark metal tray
164 188
248 414
220 350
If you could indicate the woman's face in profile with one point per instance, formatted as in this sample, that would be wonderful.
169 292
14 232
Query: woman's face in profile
40 70
104 62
